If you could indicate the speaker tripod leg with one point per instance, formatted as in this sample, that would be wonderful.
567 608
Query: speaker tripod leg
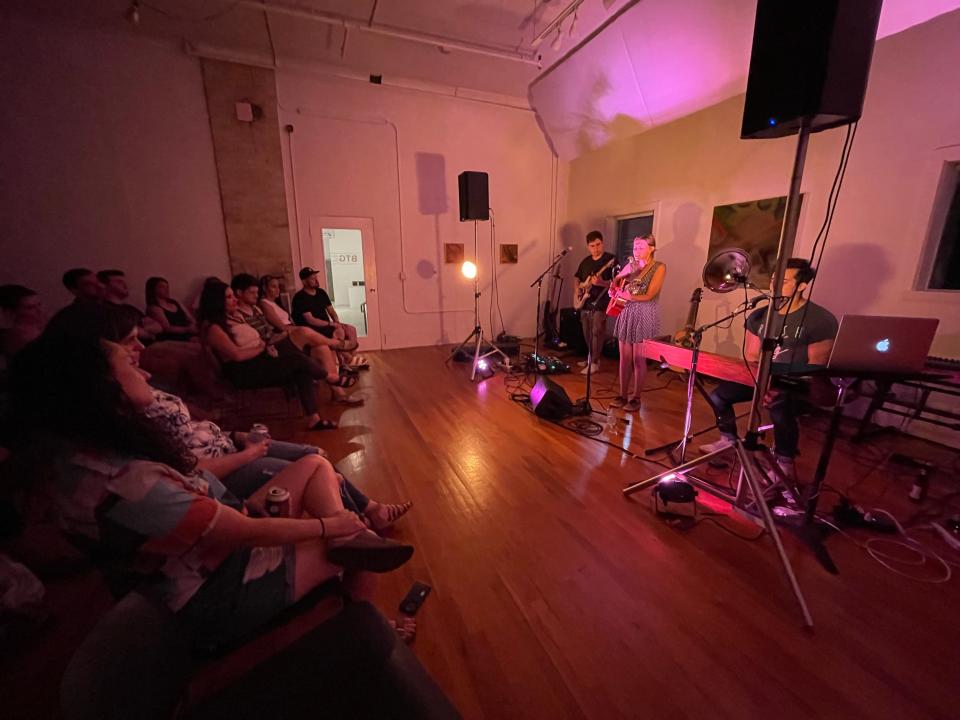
466 341
751 474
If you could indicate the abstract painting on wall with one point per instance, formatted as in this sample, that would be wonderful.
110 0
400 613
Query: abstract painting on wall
754 227
453 253
509 253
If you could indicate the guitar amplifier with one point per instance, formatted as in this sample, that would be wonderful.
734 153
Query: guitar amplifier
570 331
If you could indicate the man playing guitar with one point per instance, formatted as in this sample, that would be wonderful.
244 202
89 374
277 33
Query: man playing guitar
590 298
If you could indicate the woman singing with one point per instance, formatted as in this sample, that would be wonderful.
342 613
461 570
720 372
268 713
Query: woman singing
638 285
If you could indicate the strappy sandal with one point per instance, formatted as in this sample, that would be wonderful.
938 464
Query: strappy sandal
393 512
324 425
343 381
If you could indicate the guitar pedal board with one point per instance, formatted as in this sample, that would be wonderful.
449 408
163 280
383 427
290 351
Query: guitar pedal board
547 364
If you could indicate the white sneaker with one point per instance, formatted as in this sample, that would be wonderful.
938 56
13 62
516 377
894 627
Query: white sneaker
582 363
721 444
592 369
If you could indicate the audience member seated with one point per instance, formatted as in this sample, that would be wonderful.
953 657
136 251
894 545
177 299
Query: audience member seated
175 320
23 321
131 489
246 289
116 292
247 361
300 335
312 308
83 285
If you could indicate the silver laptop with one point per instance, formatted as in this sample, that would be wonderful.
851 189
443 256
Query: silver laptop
872 343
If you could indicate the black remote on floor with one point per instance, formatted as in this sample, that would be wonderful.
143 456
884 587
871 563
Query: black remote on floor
414 599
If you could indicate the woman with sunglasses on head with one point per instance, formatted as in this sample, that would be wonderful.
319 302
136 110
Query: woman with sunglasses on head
637 289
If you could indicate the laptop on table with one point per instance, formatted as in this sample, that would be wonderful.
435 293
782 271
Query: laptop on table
878 344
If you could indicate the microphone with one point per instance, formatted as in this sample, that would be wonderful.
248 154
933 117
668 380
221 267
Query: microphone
564 252
756 300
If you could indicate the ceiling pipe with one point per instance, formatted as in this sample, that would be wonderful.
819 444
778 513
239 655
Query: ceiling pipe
305 13
556 22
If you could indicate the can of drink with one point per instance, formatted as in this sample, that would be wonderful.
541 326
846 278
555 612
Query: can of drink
278 502
258 432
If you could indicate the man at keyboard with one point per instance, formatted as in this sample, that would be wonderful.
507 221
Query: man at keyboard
805 332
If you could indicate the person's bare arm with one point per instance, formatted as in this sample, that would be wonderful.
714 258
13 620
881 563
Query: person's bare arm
751 348
333 315
818 353
226 464
315 321
156 313
227 349
273 317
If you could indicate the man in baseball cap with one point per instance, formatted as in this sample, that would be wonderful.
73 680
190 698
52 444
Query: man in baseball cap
312 307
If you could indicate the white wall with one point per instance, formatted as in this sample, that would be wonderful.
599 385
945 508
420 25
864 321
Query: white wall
910 126
106 161
394 154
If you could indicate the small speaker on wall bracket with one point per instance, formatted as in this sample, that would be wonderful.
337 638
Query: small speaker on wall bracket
810 60
474 195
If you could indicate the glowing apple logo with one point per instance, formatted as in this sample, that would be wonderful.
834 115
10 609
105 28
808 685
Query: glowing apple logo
883 345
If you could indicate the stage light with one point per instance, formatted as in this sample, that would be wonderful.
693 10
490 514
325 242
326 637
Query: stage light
469 270
482 365
673 495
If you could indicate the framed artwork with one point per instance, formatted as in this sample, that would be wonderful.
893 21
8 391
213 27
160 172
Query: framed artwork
453 253
509 253
753 227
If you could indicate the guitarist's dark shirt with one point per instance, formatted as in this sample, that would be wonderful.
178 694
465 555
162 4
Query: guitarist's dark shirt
599 298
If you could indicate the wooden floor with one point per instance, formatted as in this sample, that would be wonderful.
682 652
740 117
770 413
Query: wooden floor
556 597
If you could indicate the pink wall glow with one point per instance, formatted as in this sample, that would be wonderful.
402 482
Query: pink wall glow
107 161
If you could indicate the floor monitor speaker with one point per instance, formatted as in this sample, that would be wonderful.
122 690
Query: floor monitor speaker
474 195
550 401
810 60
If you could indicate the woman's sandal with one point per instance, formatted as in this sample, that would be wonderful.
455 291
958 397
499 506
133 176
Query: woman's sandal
393 513
406 628
324 425
343 381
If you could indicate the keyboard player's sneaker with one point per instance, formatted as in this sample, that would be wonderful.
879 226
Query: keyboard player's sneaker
721 444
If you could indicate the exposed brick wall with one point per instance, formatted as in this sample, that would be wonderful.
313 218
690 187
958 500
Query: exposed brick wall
249 168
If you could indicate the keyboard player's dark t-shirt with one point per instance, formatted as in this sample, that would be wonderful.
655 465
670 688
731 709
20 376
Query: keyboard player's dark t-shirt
796 331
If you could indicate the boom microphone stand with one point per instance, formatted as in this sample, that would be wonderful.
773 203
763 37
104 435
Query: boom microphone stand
539 283
752 474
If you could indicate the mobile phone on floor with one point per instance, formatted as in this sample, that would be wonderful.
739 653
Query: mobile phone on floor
414 599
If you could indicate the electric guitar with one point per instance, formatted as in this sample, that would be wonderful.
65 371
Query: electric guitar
684 337
585 289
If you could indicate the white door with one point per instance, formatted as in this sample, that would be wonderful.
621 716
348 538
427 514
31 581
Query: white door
342 249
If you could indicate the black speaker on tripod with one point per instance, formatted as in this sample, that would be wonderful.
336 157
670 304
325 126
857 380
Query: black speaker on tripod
810 60
474 195
549 400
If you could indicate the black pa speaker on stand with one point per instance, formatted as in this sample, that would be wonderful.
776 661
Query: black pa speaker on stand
474 195
810 60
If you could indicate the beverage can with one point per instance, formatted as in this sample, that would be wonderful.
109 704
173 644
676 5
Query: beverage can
278 502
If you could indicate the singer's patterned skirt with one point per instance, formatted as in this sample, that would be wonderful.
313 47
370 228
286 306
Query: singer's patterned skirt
638 321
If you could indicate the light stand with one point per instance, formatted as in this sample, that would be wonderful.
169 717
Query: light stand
752 475
477 333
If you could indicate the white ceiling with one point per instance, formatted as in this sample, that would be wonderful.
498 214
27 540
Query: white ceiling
625 66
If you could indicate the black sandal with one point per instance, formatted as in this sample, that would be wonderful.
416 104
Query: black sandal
324 425
344 381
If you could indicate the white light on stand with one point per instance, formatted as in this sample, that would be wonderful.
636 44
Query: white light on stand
469 270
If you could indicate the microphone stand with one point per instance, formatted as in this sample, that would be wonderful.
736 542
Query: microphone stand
539 283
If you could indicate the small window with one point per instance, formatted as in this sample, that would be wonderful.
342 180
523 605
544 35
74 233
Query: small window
940 265
630 227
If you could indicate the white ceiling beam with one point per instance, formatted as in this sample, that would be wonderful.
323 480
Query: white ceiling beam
437 41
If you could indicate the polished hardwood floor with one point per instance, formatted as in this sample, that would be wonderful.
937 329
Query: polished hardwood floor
556 597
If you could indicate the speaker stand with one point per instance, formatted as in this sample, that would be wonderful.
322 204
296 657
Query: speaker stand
477 333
